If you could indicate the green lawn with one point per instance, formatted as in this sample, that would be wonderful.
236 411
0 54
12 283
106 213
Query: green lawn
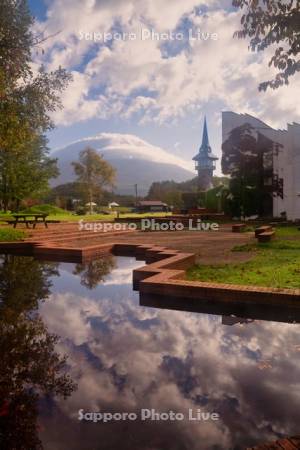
90 217
276 264
287 231
10 234
69 217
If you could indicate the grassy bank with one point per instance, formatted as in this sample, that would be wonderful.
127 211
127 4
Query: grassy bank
276 264
290 231
10 234
55 213
67 217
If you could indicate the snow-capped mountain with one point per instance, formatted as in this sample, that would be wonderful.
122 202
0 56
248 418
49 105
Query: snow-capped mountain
136 161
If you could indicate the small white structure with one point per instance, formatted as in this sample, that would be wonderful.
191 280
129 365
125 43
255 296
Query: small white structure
113 205
286 162
91 206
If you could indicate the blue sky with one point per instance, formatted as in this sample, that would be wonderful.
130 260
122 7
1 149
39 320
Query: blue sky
158 89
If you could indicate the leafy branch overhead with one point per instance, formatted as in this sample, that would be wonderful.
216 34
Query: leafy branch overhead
271 23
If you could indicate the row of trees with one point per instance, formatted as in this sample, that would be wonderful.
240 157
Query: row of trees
174 194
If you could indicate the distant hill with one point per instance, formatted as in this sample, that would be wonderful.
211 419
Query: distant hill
136 161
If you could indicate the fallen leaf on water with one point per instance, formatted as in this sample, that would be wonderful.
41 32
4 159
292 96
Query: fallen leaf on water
263 365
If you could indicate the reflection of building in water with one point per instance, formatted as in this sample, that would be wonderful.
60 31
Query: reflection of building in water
232 320
285 160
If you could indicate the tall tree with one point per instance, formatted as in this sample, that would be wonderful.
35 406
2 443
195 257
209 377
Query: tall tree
27 99
247 156
27 175
273 23
93 173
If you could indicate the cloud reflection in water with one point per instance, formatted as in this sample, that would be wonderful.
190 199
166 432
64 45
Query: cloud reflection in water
126 357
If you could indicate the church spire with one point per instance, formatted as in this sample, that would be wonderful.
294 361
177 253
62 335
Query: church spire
205 142
205 161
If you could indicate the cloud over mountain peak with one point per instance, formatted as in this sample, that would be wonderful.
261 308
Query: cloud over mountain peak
136 160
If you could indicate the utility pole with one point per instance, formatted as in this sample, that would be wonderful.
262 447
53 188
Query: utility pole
136 194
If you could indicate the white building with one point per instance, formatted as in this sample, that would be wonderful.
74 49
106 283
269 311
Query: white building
286 162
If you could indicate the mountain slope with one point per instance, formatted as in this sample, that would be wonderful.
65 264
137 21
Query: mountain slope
136 161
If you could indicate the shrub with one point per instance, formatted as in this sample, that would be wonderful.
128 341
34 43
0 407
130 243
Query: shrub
44 209
7 235
80 211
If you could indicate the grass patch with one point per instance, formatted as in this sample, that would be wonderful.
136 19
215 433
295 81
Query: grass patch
44 209
245 248
55 213
69 217
287 231
7 235
275 264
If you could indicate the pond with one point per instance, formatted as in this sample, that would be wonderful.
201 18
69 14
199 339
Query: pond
74 340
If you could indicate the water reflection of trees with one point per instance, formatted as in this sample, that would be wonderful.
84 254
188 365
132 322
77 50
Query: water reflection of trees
93 272
30 366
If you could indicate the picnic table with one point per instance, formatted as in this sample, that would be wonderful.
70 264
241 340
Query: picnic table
29 219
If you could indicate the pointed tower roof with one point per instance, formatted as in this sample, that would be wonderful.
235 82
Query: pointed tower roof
205 149
205 141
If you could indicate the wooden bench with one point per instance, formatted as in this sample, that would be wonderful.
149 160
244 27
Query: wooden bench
238 227
27 222
28 219
263 229
266 236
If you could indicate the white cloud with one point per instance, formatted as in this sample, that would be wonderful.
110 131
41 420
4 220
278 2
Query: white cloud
129 78
130 146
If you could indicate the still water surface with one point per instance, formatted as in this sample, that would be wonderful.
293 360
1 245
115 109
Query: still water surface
122 357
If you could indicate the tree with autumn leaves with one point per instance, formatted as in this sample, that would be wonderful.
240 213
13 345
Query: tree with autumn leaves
26 101
93 174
